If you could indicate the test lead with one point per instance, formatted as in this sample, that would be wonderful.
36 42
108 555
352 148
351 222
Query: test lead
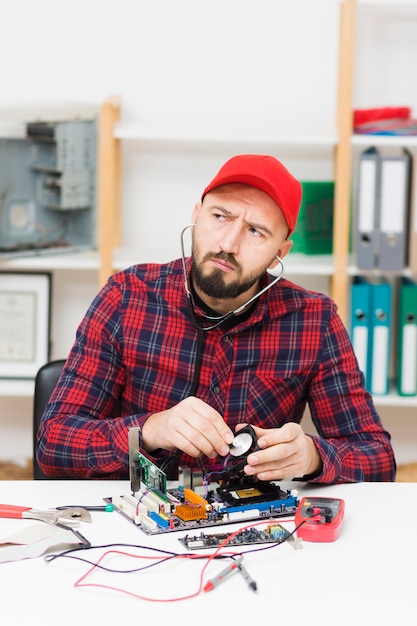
251 583
214 582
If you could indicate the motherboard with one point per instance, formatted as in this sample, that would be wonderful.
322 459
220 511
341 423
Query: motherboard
157 508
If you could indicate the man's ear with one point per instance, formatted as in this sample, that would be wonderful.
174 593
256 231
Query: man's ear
285 248
196 211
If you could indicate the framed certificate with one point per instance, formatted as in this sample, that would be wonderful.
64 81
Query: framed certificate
25 302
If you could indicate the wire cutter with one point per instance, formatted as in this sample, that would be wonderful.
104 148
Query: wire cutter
69 517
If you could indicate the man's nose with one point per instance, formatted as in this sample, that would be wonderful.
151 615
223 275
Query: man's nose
231 238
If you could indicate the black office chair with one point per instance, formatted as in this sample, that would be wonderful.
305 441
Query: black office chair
45 381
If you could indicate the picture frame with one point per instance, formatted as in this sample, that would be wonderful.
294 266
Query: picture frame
25 318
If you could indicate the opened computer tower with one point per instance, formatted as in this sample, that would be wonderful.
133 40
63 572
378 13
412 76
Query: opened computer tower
48 187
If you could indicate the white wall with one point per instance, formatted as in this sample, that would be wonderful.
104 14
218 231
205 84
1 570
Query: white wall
269 64
179 66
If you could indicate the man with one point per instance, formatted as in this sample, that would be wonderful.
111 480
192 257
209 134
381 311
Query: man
193 350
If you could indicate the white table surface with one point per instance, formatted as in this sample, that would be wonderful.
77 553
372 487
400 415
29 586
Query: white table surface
366 576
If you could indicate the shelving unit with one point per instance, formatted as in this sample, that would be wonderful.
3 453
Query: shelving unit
339 147
351 145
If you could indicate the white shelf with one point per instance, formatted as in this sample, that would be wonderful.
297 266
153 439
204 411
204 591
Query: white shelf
16 388
388 3
352 270
385 140
82 260
13 119
309 264
124 130
394 400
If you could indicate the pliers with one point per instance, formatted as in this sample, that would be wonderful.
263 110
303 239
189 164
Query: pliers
68 517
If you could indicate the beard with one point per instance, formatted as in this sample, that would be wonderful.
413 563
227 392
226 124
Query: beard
214 285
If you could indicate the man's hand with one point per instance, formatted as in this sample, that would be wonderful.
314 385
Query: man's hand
191 426
285 453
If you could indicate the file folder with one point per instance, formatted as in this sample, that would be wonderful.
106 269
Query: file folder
407 331
360 323
381 337
368 209
412 237
394 210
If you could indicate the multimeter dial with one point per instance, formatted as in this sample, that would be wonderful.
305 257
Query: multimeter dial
319 519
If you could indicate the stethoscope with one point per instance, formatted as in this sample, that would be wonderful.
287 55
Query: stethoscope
238 448
222 318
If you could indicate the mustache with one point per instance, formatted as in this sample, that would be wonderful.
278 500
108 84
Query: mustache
222 256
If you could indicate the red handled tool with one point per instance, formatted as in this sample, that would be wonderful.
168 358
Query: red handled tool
66 517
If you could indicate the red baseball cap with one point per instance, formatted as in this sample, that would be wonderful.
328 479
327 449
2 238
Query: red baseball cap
267 174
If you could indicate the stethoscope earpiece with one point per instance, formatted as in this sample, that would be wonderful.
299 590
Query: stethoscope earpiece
278 270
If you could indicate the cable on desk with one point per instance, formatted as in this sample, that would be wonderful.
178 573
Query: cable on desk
161 557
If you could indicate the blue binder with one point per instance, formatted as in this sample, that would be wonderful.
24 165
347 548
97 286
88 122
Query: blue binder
407 337
381 337
360 324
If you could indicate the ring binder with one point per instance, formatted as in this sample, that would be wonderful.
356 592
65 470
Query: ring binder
407 331
394 205
360 323
381 337
368 209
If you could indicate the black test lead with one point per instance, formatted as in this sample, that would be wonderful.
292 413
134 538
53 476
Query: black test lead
251 583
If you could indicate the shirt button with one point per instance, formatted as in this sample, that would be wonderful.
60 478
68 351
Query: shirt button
216 390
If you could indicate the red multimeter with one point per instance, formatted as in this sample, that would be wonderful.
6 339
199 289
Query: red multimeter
320 518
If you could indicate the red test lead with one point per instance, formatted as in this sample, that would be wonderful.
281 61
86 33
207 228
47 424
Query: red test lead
214 582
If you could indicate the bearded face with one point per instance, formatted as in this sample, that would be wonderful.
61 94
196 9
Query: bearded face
217 284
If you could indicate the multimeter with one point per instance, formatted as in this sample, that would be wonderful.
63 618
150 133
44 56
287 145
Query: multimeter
320 518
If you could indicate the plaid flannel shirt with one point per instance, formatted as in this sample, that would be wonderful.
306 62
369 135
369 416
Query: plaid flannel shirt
135 354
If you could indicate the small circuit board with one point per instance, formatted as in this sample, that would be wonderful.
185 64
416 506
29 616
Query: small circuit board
274 533
156 509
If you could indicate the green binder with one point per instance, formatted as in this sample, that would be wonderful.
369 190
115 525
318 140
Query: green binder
407 335
314 231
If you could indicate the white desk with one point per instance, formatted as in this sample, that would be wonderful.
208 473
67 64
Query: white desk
367 576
